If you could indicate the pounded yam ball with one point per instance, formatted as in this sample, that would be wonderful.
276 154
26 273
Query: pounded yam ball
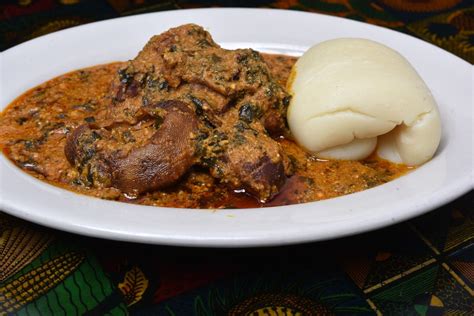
351 96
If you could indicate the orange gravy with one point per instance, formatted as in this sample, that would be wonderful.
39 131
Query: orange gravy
34 127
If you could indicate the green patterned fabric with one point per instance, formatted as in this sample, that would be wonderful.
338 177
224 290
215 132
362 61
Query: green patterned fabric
65 278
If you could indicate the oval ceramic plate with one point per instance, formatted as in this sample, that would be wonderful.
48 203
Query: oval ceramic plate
445 177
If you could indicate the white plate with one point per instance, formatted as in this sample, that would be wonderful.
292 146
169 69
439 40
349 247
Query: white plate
444 178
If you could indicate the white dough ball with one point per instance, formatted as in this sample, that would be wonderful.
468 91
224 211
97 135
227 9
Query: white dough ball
347 92
355 150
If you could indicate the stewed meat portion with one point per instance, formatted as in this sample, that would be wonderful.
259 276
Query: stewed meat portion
161 160
182 102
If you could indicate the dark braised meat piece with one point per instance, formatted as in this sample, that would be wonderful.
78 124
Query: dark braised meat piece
184 101
156 163
81 151
242 155
165 158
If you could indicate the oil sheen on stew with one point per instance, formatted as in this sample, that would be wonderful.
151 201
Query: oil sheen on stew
35 126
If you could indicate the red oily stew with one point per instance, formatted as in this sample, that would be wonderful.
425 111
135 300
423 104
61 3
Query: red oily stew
34 129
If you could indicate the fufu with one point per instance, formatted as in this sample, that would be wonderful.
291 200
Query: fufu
353 96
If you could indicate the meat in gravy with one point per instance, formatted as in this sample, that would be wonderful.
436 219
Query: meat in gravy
184 124
201 105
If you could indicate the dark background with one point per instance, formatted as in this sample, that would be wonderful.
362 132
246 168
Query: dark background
446 23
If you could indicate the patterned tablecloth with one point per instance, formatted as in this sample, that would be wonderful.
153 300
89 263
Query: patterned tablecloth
422 267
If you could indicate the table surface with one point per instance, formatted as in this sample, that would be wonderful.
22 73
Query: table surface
421 267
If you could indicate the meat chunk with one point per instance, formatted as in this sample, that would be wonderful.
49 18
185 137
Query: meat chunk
184 63
81 151
159 162
164 159
241 154
219 109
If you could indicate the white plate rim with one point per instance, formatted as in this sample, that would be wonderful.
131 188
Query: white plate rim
320 230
